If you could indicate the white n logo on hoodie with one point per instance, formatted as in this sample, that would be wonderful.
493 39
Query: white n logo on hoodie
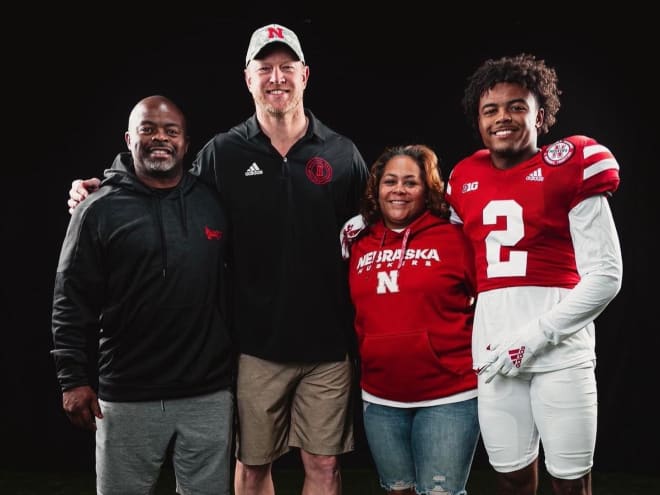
388 281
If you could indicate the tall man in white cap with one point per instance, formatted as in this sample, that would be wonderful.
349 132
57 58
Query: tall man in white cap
289 183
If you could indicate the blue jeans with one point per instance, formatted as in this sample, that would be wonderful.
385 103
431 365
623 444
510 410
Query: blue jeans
428 448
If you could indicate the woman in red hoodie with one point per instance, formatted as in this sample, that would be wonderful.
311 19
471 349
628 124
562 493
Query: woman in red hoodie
412 285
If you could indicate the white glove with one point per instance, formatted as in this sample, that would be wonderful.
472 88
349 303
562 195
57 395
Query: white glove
348 233
509 358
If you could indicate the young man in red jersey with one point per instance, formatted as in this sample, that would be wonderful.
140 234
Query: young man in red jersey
548 263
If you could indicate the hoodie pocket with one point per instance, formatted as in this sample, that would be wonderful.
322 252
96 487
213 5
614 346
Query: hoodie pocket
395 363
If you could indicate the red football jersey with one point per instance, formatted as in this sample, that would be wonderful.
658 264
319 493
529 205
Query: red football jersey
517 219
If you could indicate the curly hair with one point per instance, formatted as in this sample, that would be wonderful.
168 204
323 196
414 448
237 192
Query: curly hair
434 186
522 69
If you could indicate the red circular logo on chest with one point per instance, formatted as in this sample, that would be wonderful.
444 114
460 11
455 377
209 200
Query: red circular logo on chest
318 171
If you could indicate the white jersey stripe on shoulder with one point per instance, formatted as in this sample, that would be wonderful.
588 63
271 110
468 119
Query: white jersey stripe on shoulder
593 149
599 166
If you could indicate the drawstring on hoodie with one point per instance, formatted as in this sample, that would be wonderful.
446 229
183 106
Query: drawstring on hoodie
404 244
182 209
159 219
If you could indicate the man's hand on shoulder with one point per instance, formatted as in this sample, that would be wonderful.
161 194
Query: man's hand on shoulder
349 233
80 189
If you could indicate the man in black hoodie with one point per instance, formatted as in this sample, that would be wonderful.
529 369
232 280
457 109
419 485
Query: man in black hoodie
140 272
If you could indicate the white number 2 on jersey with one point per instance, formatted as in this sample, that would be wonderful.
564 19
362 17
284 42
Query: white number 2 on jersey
515 230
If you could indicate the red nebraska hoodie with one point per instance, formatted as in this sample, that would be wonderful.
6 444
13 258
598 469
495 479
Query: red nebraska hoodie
412 292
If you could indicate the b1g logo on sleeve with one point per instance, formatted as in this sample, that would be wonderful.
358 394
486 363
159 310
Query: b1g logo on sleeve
470 186
558 153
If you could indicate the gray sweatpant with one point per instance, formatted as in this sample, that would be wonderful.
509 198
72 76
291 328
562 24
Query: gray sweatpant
132 440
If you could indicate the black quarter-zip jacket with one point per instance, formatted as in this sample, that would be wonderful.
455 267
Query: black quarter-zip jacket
291 301
141 270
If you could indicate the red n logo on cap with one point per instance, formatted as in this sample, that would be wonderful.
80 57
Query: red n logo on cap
275 33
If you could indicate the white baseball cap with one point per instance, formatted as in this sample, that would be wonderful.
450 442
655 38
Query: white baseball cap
273 33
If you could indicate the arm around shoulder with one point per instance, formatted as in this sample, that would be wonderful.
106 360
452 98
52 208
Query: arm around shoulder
80 190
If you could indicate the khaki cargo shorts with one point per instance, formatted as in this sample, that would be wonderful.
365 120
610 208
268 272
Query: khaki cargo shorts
285 405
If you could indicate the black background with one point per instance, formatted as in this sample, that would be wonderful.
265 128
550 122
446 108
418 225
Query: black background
389 77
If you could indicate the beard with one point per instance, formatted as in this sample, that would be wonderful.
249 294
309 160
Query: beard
279 111
161 168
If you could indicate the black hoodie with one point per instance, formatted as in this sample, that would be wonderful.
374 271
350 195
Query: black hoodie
141 271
